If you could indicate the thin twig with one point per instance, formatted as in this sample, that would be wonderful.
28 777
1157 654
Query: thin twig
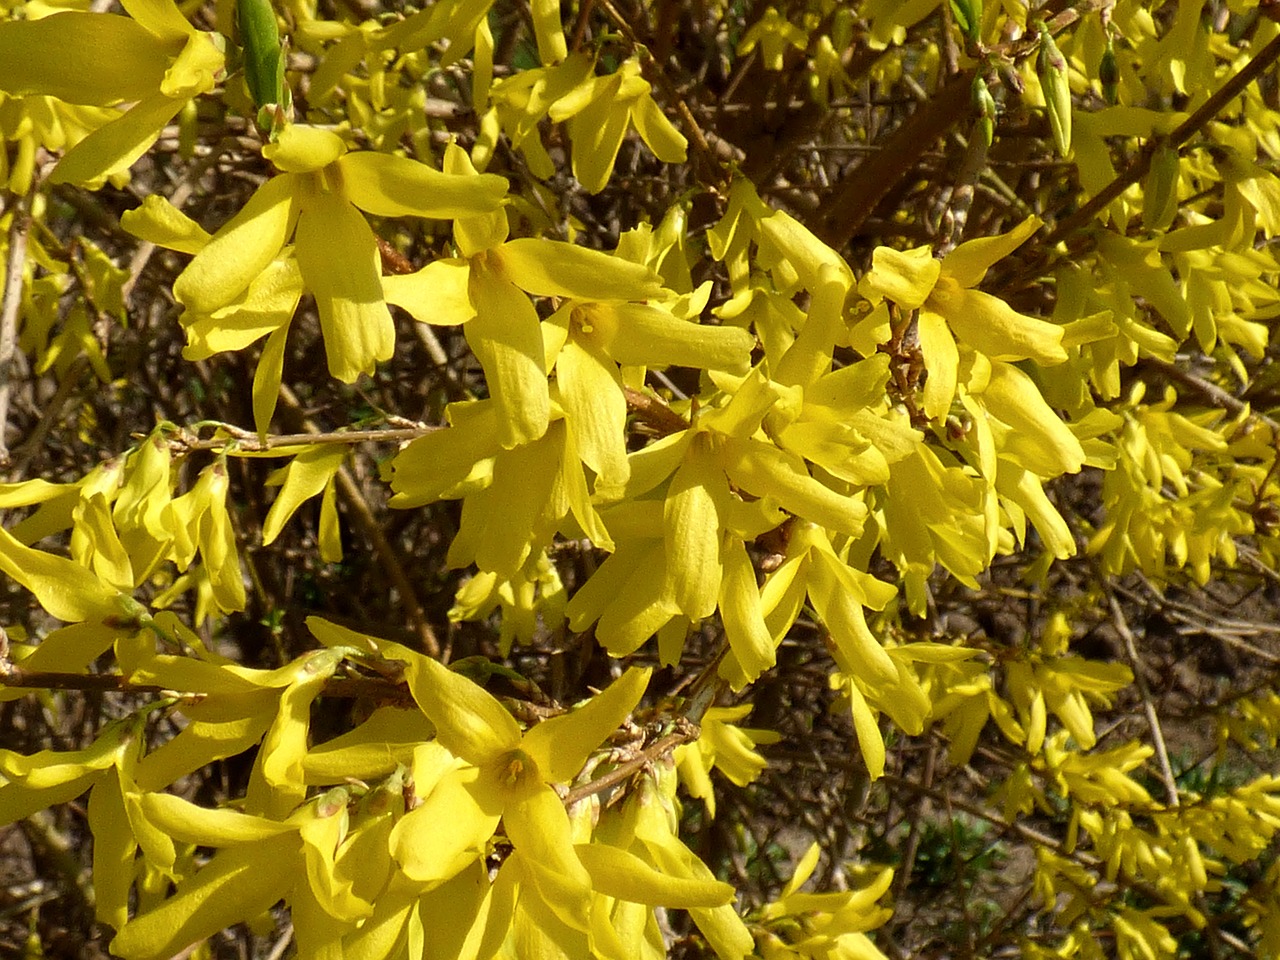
246 441
1148 705
686 732
19 226
1234 86
363 516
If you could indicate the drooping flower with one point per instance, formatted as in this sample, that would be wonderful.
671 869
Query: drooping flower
153 59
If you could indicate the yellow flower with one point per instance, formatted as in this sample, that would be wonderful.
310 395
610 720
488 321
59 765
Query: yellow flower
949 308
153 59
487 289
508 776
317 200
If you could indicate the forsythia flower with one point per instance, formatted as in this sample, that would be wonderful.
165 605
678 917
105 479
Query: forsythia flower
317 200
153 59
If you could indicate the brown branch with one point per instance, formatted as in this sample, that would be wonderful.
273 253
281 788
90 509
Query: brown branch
363 517
1148 704
11 303
1180 135
866 185
20 679
686 732
654 412
248 442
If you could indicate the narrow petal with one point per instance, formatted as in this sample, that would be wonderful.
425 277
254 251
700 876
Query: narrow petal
338 255
127 63
561 745
438 293
114 148
539 827
506 339
391 186
469 722
617 873
240 250
158 221
765 471
744 624
691 534
595 409
646 335
549 268
991 326
942 360
65 589
238 884
667 143
968 263
1040 440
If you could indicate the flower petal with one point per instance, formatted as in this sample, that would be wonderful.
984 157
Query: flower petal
904 276
506 338
991 326
968 263
595 409
561 745
548 268
438 293
469 722
114 147
302 148
122 62
338 255
390 186
240 250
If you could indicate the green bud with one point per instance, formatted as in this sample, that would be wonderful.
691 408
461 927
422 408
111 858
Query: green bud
1109 74
1160 190
1051 66
968 14
984 105
263 56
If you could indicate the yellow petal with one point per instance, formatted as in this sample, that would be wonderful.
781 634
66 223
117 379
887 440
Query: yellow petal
942 360
438 293
265 307
765 471
470 723
904 276
991 326
302 148
65 589
238 884
158 221
744 624
114 849
208 826
617 873
126 63
646 335
667 143
196 69
595 409
968 263
539 827
561 745
160 17
549 268
506 339
691 534
429 855
1043 441
240 251
338 256
597 133
391 186
303 478
113 148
